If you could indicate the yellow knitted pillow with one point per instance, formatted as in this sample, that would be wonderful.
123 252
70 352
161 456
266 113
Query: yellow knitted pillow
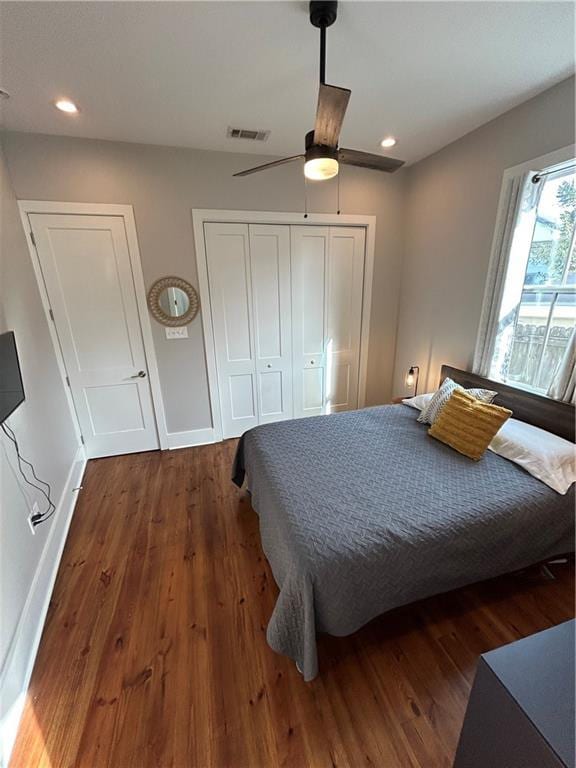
468 425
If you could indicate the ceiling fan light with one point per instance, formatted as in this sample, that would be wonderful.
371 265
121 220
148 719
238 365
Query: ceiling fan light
321 168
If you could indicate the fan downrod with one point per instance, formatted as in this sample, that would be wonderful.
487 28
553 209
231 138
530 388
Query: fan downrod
323 13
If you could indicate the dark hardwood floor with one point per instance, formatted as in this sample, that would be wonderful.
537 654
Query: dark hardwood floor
154 651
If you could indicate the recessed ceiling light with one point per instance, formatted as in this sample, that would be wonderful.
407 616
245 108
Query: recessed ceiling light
65 105
388 142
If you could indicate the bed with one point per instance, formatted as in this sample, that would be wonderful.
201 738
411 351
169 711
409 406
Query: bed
362 512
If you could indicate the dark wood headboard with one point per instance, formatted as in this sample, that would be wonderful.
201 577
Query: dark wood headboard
544 412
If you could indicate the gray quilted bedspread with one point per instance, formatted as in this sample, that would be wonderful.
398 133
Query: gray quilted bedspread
362 512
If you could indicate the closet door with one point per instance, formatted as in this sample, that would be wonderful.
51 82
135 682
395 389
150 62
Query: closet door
271 303
344 290
228 257
327 289
309 261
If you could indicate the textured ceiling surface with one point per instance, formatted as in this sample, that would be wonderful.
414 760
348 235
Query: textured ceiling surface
181 73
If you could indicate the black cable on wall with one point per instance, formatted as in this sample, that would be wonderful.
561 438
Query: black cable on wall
40 517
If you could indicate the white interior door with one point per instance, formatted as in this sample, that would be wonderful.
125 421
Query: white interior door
271 303
327 291
344 286
85 263
309 262
228 259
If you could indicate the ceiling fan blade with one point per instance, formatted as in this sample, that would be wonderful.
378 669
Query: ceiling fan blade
332 104
367 160
273 164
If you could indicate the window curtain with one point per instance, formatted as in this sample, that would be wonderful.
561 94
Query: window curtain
503 290
563 385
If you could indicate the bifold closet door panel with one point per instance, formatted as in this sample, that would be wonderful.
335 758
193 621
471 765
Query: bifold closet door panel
344 291
309 260
228 259
271 306
286 306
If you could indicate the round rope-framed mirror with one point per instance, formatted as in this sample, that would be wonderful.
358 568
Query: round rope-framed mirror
173 301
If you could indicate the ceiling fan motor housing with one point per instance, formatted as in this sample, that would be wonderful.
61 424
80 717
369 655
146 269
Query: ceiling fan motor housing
323 13
318 150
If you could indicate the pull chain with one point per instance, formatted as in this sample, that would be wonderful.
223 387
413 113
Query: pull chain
338 204
305 197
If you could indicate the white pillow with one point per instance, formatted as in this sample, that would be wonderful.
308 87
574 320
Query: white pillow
419 401
545 456
431 412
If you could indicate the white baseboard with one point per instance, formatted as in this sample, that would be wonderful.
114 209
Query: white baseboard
191 438
17 670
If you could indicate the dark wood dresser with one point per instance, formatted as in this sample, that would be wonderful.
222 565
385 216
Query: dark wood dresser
521 708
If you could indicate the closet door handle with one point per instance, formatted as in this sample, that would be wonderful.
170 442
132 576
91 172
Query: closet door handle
139 375
269 365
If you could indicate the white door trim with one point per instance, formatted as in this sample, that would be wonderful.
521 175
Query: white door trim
201 216
100 209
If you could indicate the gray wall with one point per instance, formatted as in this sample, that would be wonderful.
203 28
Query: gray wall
164 184
44 430
451 203
434 231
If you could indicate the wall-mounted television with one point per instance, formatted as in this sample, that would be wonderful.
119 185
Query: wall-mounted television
11 388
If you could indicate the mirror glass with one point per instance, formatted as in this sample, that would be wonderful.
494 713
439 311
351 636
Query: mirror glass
174 302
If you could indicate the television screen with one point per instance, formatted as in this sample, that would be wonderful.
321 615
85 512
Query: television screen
11 389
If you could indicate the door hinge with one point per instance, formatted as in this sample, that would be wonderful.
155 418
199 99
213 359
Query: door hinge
33 238
82 439
51 314
67 381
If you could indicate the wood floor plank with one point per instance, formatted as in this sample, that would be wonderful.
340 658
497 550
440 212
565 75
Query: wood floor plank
154 652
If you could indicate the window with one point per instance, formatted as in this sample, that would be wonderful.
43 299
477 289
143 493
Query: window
530 318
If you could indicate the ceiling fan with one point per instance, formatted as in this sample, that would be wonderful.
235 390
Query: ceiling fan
322 153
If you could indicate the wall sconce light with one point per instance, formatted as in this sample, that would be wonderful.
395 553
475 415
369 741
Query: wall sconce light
412 378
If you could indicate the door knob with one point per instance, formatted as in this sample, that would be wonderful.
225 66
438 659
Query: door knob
269 365
311 362
139 375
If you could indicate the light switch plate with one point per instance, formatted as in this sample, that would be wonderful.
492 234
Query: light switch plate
181 332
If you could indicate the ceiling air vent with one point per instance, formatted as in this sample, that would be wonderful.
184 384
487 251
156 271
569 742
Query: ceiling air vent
247 133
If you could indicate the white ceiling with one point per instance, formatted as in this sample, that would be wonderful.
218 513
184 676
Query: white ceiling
180 73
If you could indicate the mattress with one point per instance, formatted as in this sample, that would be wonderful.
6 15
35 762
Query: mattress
362 512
